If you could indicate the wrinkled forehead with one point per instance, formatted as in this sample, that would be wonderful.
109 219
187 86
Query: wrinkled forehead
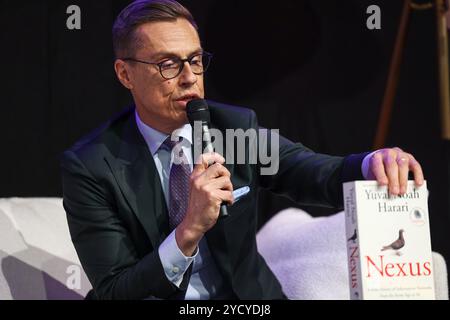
177 37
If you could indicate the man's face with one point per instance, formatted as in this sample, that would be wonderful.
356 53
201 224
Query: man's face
161 103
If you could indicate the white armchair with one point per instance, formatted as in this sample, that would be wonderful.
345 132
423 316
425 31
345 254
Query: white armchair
38 260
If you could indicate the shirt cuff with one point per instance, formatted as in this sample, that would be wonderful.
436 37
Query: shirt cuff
365 165
174 262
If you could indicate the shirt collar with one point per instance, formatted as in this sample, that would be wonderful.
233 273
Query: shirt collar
155 138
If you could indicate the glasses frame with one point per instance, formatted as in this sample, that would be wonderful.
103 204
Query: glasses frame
180 69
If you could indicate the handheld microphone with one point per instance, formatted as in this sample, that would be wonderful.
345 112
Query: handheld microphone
197 110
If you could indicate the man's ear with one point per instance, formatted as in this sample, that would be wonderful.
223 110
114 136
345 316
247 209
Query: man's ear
123 73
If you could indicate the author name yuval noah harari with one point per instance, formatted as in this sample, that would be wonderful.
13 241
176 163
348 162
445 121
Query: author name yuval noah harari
384 206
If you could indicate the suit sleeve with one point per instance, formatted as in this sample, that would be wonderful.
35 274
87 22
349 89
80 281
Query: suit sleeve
304 176
102 242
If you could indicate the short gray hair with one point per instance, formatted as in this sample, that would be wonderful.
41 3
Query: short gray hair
125 40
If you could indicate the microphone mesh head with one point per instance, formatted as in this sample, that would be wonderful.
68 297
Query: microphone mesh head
197 110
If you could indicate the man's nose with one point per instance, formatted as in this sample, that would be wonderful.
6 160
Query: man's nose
187 77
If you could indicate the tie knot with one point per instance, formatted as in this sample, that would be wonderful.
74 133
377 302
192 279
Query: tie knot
168 144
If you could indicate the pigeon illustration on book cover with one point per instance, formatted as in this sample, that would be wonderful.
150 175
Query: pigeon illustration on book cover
353 237
397 244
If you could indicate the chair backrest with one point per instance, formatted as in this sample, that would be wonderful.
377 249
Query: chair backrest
37 257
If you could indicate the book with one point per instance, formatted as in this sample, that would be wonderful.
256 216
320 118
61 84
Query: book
388 242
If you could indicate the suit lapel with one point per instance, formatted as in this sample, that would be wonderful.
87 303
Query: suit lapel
138 179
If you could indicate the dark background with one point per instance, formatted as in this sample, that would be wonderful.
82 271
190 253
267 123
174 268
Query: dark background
310 68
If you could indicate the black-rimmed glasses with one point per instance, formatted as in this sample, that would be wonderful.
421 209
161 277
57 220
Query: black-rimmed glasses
170 68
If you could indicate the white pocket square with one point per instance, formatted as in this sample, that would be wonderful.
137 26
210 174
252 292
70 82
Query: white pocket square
239 193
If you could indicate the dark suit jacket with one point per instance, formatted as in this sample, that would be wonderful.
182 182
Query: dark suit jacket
117 214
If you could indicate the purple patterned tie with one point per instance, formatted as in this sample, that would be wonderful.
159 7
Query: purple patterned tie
178 183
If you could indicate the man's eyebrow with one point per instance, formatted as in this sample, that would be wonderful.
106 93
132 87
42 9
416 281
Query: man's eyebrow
168 54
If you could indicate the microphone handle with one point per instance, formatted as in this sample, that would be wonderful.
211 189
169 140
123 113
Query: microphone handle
223 212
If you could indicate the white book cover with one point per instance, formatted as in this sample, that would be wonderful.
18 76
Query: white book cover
388 242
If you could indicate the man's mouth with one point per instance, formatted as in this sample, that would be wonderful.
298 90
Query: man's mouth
188 97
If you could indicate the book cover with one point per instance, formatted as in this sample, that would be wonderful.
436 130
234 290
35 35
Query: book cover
388 242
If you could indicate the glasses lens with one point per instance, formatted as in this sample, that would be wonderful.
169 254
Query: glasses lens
172 68
198 63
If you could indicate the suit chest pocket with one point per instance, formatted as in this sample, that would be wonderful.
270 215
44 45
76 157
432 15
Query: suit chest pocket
242 207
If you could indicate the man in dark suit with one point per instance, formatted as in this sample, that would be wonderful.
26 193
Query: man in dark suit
146 226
